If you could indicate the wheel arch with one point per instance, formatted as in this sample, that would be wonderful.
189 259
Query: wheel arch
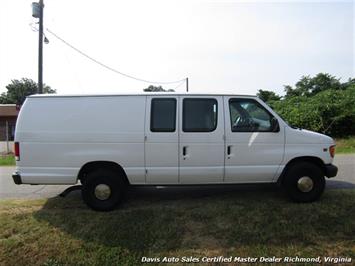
312 159
94 165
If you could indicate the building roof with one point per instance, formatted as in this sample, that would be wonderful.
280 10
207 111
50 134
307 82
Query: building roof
8 110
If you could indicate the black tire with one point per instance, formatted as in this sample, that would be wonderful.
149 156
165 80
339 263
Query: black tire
106 178
295 173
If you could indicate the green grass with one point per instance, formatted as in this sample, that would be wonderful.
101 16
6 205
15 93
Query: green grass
7 160
345 145
62 231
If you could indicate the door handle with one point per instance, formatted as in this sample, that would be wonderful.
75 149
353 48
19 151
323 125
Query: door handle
229 148
229 151
184 151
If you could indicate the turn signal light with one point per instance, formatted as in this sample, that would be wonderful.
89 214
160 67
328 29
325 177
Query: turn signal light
332 151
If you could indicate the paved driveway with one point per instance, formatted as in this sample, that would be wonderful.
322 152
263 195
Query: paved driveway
8 189
344 179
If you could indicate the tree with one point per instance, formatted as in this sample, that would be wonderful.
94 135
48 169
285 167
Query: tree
267 96
18 90
152 88
324 81
290 92
321 103
349 83
330 111
310 86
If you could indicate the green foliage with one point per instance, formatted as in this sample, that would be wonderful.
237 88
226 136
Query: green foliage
7 160
308 86
267 96
152 88
320 104
345 145
18 90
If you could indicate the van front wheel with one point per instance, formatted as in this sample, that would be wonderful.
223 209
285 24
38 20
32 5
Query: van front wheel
304 182
102 190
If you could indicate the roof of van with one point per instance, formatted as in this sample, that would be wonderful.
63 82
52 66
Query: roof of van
135 94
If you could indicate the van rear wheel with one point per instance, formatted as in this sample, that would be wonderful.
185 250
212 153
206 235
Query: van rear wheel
304 182
102 190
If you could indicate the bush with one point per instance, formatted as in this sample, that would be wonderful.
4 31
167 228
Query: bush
331 111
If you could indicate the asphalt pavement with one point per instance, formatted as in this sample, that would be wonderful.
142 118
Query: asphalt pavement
344 179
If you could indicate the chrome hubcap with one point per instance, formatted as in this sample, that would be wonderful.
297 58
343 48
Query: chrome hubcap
305 184
102 192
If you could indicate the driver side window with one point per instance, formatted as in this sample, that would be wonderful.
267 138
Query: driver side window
248 115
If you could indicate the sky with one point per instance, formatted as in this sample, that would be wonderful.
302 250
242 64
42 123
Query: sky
221 46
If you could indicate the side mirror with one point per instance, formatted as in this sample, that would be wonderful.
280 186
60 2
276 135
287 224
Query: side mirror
274 125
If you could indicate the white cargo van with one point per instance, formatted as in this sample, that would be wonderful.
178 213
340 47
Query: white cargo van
108 142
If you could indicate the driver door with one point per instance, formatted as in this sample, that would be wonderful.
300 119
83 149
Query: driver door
254 141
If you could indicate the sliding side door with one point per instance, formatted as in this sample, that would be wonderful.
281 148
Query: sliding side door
201 148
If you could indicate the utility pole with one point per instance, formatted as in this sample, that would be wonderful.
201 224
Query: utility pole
37 12
40 49
187 84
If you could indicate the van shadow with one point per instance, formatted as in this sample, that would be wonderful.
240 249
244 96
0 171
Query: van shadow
201 217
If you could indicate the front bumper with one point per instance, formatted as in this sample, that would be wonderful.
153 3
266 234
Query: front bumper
330 170
17 178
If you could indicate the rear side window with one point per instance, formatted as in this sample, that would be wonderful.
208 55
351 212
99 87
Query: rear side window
199 115
163 115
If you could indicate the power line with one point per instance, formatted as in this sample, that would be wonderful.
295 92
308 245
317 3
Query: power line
110 68
182 82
